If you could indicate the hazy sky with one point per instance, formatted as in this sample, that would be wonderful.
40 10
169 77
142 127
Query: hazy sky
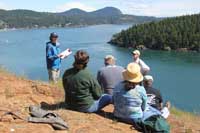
161 8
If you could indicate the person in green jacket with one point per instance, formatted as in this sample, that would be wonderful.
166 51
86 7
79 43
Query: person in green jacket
82 91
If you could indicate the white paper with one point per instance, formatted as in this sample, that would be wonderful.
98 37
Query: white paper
65 53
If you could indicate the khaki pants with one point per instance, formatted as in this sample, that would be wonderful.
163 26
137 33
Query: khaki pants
54 75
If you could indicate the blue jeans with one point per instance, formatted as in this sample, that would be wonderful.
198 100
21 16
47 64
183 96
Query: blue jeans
136 122
103 101
150 111
130 120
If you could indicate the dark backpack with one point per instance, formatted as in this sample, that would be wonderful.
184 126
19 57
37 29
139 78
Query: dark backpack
156 124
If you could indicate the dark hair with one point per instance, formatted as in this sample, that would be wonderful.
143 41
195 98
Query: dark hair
81 59
130 85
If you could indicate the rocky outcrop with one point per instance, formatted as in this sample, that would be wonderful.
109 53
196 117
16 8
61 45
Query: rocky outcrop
182 50
167 48
141 47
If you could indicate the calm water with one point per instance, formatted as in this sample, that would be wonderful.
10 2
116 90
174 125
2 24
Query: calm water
177 75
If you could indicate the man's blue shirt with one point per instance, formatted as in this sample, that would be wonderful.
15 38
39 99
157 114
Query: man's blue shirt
52 51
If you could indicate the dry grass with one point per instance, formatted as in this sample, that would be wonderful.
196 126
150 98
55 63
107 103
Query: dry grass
188 116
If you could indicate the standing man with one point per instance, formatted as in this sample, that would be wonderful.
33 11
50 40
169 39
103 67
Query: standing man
110 75
144 67
53 58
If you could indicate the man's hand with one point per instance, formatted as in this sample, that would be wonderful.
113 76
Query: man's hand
60 56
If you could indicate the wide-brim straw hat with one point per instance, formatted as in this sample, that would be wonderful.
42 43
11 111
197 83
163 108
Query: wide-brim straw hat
133 73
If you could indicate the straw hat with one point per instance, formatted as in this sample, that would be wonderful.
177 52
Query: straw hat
137 52
133 74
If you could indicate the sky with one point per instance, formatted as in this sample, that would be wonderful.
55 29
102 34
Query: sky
158 8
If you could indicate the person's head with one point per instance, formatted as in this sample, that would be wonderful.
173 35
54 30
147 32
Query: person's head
81 59
53 37
148 81
109 60
136 54
132 76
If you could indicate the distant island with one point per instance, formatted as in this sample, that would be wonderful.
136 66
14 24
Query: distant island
74 17
178 33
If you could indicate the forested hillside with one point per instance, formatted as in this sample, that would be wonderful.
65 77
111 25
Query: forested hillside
73 17
29 19
171 33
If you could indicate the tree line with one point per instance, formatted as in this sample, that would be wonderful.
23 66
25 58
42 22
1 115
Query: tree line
170 33
73 17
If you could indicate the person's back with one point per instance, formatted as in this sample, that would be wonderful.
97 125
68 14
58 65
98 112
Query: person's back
129 104
109 77
154 97
81 90
129 97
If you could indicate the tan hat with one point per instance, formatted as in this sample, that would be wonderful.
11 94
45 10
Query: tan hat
132 73
136 52
109 57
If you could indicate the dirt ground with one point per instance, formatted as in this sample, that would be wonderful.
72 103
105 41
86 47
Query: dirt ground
17 94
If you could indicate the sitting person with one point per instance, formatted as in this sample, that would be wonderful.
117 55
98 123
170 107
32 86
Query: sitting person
144 67
154 97
82 91
110 75
129 97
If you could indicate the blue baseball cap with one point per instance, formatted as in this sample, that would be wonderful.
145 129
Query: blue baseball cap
53 34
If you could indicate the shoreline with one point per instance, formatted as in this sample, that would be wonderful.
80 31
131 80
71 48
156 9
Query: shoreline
73 26
181 50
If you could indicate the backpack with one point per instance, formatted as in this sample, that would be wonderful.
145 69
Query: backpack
156 124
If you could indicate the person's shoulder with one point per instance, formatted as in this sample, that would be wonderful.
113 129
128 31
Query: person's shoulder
140 60
85 72
68 71
119 86
120 67
49 44
141 88
153 90
157 91
102 69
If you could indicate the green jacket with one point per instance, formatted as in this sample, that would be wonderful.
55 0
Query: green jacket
81 89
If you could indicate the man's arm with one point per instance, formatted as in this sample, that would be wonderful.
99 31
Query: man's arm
95 89
145 68
99 77
160 99
144 99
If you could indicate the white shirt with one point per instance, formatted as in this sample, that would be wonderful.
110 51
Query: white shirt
144 67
